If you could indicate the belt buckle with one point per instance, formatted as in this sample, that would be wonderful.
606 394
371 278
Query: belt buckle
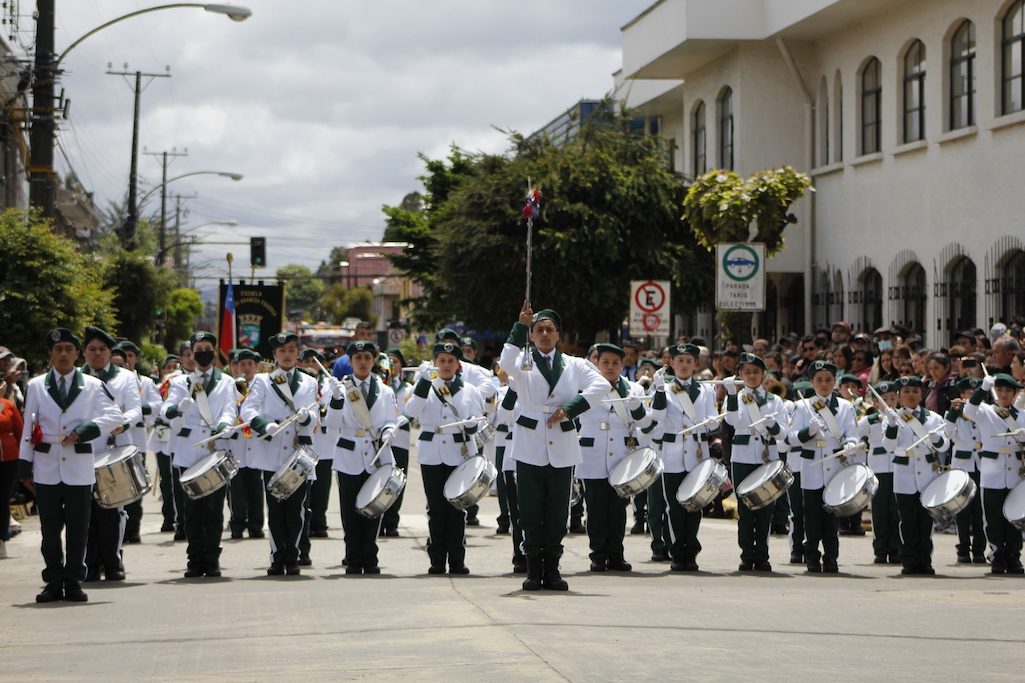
821 443
360 432
604 426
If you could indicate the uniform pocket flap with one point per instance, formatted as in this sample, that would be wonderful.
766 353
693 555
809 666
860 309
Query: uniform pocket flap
346 444
527 422
587 442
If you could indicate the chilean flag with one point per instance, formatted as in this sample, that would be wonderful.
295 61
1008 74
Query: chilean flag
228 323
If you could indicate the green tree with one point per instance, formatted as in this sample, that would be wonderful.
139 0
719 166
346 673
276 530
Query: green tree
45 283
723 207
133 281
184 306
339 302
303 289
328 271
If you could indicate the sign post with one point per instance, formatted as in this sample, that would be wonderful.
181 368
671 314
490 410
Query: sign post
740 277
649 308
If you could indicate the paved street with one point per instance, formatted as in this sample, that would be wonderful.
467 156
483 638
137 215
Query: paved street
717 625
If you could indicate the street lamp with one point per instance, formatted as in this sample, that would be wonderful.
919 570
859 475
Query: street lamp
46 71
179 242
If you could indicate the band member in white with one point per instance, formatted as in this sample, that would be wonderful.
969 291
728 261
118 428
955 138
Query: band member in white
274 397
204 402
246 492
552 390
65 413
822 425
142 432
323 444
440 398
885 520
914 435
363 411
966 445
399 381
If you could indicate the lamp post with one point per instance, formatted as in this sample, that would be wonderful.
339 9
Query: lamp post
46 71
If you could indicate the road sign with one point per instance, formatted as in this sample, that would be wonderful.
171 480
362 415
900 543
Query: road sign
396 335
649 308
740 277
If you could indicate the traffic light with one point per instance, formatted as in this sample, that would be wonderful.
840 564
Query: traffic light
258 252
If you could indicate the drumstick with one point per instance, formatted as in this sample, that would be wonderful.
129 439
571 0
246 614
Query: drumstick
209 440
992 390
689 430
845 452
923 439
321 366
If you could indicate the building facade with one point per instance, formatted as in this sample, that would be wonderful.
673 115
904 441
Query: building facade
908 114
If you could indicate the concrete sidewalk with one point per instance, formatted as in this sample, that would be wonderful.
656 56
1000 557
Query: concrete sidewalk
866 623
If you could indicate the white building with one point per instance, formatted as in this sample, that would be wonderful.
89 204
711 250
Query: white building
908 114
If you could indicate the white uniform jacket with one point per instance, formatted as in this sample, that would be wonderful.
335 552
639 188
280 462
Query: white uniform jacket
402 437
870 432
605 437
1000 461
439 445
123 387
274 398
575 387
912 471
504 426
682 453
816 472
754 445
89 410
196 424
481 379
965 439
357 445
794 459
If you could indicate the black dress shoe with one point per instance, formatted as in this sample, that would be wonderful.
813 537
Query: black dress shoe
114 575
830 567
318 533
927 570
520 567
880 559
998 568
257 533
371 570
763 566
292 570
236 535
134 538
353 569
618 564
895 559
659 556
212 570
179 535
746 567
780 530
53 592
686 566
460 569
193 570
979 559
964 559
166 527
305 562
436 569
276 569
1015 568
637 528
73 592
814 568
472 521
577 527
796 559
909 570
391 532
502 530
92 574
597 565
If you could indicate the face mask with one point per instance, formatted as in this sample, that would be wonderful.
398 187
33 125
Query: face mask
204 358
885 344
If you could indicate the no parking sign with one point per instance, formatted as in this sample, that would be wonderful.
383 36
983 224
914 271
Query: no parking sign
649 308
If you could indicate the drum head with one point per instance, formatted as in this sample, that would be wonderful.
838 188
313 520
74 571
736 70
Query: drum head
373 486
632 466
845 485
1014 504
202 466
760 476
463 477
944 488
695 480
115 454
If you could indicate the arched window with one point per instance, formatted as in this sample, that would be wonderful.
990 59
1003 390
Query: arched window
837 118
913 297
961 289
914 92
962 76
871 107
1012 69
871 285
700 139
1012 286
726 129
823 123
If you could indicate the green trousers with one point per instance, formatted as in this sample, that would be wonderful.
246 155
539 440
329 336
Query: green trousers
515 529
885 522
134 523
390 520
204 523
106 533
820 526
445 523
606 520
320 496
658 525
915 531
245 498
64 507
683 525
286 523
753 525
1001 534
503 498
971 534
168 494
796 496
543 493
359 533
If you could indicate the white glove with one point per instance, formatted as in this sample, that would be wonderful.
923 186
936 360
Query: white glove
988 382
225 433
770 422
272 428
814 426
424 370
891 417
186 406
302 415
386 435
731 388
633 404
659 382
439 385
337 389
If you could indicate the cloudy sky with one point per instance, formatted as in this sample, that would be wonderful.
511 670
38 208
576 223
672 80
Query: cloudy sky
322 104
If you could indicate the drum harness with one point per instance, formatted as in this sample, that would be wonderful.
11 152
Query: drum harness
755 417
682 400
463 449
1013 435
924 436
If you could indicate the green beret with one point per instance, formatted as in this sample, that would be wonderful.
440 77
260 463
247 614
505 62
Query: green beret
247 354
468 341
885 387
62 334
168 358
972 383
822 365
360 346
847 378
803 388
609 348
92 333
118 351
395 351
909 381
184 346
128 345
280 339
684 349
547 314
649 361
449 348
751 359
446 333
1006 381
311 353
202 336
233 355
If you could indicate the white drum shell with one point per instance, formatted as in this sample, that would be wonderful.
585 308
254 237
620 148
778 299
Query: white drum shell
293 474
121 477
762 487
210 474
850 490
636 472
1014 506
948 494
701 485
380 491
470 482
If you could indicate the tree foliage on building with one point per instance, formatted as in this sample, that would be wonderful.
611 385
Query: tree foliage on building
303 288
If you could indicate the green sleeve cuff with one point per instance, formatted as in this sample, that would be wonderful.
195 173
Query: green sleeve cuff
401 452
172 412
259 424
518 335
953 414
731 402
803 436
337 403
221 426
774 429
24 469
891 432
509 402
576 406
659 402
650 428
422 388
978 397
87 431
147 409
638 414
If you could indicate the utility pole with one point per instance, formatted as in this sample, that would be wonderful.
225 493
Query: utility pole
162 235
177 233
41 177
128 232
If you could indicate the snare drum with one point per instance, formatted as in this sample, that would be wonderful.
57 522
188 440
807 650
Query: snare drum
210 474
121 477
702 484
484 435
767 483
1014 505
469 482
380 491
948 494
291 475
850 490
636 472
